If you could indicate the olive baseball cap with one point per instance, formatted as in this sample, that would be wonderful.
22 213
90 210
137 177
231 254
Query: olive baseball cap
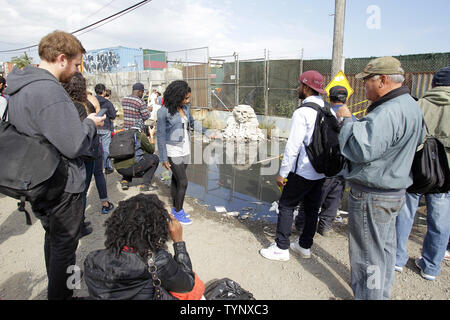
383 65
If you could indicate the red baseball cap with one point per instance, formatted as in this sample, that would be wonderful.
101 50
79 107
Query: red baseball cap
313 79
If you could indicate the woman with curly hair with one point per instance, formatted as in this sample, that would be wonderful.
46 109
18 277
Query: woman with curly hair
76 89
138 228
174 143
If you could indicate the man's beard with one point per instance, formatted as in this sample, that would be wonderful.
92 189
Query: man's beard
302 95
65 77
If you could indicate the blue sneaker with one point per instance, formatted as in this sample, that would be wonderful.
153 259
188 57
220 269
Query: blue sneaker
187 215
181 216
108 209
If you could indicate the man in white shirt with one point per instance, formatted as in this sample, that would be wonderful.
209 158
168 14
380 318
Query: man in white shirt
300 182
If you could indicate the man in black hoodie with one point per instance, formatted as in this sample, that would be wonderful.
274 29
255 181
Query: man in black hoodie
39 106
105 130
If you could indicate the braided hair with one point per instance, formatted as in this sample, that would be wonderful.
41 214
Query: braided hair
140 222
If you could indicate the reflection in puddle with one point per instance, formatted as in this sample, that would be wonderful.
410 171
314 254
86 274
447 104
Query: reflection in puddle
226 178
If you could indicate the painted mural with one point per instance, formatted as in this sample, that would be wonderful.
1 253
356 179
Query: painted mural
101 61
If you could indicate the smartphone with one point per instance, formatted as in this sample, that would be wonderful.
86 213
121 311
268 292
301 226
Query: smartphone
101 112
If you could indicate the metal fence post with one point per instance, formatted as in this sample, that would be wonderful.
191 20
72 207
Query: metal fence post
237 79
208 75
266 100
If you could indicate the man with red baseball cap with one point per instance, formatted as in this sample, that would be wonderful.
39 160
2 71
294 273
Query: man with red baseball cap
303 183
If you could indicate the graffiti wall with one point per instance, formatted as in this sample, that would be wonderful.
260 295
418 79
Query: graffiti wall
102 61
115 59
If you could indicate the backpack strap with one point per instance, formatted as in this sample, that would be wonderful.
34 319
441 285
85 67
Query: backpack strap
21 206
5 113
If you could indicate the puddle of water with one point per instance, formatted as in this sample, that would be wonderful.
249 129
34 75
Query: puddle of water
246 188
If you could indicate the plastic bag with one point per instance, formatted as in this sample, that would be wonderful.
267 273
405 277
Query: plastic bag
226 289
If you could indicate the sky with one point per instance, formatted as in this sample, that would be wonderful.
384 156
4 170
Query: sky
248 27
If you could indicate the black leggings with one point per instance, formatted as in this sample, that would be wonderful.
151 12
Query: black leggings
179 183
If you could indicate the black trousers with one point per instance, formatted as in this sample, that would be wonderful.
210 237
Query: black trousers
145 168
62 222
298 189
179 183
332 193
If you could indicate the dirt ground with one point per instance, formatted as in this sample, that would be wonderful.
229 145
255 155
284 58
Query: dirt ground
219 246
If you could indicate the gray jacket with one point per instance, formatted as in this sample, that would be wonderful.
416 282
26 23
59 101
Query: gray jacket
39 106
381 146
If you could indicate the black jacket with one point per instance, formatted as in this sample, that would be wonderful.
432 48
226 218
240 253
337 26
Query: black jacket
110 114
127 278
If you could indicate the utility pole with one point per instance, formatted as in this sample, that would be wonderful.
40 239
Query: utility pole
338 37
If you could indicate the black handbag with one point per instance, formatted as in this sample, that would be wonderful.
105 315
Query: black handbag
160 292
430 168
31 168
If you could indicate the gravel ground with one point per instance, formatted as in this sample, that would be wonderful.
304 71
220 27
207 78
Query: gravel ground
219 246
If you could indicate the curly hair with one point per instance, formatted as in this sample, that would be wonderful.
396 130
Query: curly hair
140 222
174 95
76 88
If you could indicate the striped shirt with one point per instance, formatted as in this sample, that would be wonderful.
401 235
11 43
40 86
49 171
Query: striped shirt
133 108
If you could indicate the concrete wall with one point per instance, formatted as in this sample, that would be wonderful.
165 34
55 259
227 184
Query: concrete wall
121 83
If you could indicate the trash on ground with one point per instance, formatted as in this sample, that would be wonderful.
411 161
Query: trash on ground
233 213
220 209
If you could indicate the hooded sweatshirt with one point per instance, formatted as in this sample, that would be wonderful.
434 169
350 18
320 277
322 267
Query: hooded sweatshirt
39 106
435 105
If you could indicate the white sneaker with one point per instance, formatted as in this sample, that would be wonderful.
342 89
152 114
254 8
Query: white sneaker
447 255
398 269
423 274
305 253
275 253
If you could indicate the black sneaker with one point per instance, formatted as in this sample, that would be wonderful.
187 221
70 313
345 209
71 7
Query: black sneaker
124 184
109 170
87 223
85 231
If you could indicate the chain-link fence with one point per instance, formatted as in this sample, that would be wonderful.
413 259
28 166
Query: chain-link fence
268 85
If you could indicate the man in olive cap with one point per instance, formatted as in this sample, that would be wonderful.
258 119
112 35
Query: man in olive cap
380 148
435 105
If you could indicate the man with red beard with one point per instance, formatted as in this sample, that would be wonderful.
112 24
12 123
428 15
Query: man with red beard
39 106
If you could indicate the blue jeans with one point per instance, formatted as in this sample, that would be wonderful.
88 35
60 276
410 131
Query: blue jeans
95 167
438 230
372 243
106 141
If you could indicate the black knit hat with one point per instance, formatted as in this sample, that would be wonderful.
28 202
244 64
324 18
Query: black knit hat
338 93
441 78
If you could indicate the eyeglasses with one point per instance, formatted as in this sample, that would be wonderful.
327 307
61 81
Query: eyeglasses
368 78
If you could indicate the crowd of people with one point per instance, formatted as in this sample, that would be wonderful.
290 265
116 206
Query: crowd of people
52 101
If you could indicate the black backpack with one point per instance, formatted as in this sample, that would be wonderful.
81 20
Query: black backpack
122 145
430 169
323 151
226 289
31 168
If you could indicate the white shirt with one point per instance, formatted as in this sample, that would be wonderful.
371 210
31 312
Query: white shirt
302 128
180 151
154 115
3 103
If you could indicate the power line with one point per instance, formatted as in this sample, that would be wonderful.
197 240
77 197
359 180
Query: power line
106 20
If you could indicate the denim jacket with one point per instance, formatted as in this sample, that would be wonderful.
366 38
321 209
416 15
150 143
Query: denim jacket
170 130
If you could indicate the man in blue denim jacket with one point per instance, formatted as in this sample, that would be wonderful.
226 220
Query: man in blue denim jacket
380 148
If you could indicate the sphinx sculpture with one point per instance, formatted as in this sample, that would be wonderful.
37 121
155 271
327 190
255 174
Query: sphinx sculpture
242 125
